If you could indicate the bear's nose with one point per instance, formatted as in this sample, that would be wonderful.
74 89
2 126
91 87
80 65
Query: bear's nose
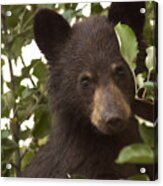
115 122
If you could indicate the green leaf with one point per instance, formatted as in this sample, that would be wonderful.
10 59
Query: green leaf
27 159
34 62
150 60
42 122
24 134
25 71
49 6
147 134
140 80
8 147
17 80
27 92
4 134
150 90
68 15
20 89
5 110
149 84
7 154
136 153
13 20
2 62
128 44
40 70
8 144
9 99
25 108
96 8
17 46
22 115
140 177
43 141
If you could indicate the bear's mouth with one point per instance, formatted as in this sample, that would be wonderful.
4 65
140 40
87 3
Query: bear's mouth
109 128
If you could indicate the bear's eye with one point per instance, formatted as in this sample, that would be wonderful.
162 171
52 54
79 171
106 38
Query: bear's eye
120 71
85 81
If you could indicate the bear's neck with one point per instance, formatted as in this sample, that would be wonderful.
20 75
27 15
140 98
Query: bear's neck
81 133
76 142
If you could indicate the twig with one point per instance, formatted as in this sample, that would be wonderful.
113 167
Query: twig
145 90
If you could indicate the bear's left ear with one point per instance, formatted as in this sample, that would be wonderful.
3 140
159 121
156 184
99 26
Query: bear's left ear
130 13
51 31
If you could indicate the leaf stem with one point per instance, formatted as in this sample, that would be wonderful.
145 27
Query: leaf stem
148 78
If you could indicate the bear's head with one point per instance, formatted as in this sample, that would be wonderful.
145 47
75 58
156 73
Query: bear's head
89 79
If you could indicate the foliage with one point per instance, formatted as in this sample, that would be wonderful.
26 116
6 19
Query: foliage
23 104
146 152
129 50
136 153
143 177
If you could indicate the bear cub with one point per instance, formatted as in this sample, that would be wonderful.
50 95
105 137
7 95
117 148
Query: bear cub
91 91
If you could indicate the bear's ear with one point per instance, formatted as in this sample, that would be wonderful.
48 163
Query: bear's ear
50 31
130 13
145 109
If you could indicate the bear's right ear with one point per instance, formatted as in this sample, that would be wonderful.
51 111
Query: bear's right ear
50 31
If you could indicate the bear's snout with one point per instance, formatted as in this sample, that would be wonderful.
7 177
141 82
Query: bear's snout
110 110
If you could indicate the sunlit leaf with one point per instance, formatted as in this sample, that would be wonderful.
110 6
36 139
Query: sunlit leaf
149 84
9 99
27 92
43 141
140 80
4 134
140 177
136 153
2 62
150 60
128 44
68 15
27 159
147 134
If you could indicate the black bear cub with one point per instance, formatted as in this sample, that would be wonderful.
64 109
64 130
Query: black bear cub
92 92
